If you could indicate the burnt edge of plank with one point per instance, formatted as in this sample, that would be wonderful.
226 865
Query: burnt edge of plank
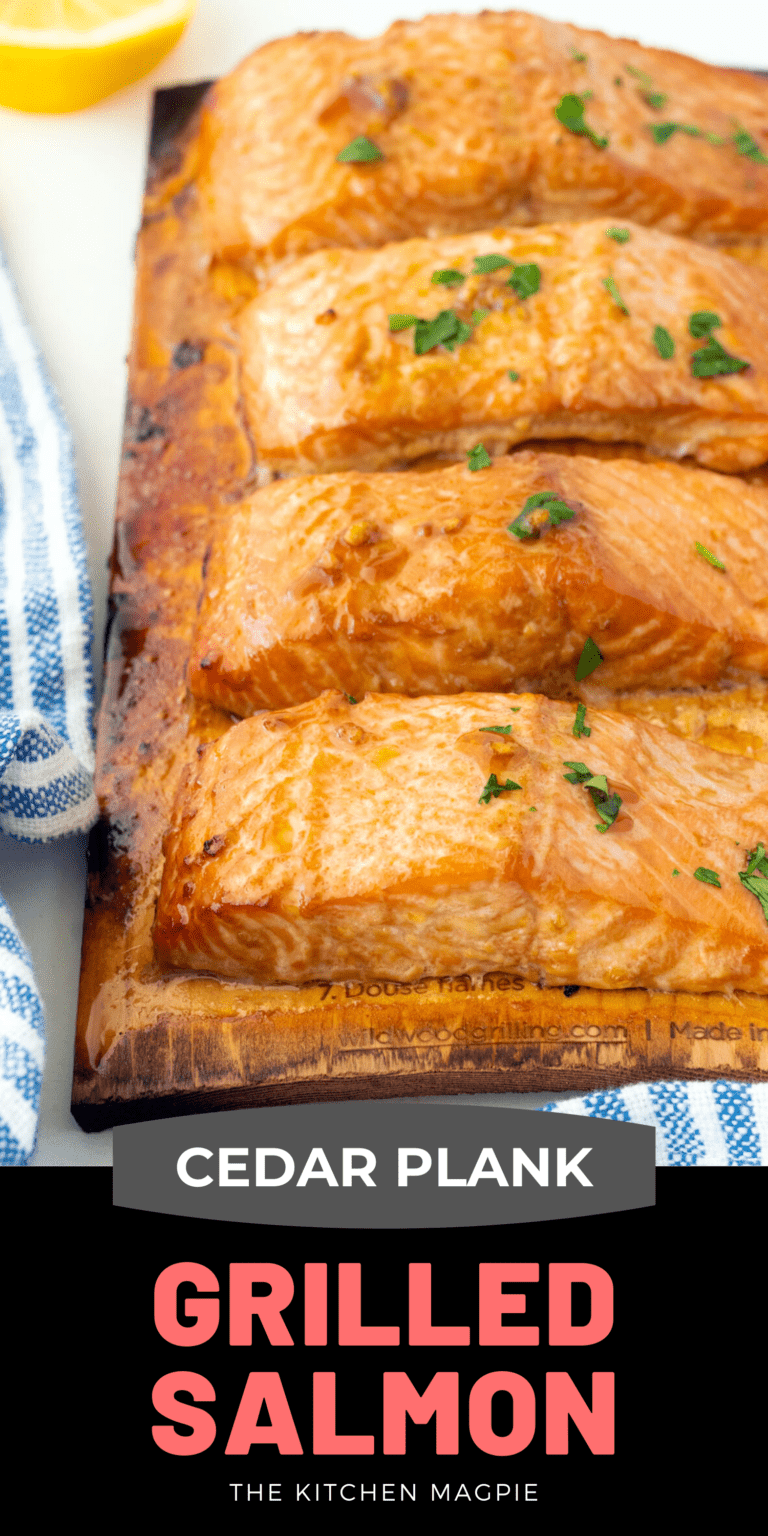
172 110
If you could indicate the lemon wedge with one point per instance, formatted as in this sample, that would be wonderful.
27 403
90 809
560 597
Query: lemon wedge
60 55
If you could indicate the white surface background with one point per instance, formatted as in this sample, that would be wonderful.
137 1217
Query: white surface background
70 195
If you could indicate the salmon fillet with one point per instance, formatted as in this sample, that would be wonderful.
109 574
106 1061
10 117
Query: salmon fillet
414 584
462 110
328 385
391 839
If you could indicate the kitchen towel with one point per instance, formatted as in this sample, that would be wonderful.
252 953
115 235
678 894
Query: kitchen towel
705 1125
46 685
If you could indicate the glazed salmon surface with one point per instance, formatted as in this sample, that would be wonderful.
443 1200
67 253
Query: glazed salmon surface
413 583
462 110
338 841
328 385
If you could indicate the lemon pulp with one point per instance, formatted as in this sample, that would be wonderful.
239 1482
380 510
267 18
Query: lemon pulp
61 55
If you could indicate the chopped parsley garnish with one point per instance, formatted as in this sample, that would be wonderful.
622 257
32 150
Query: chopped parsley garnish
579 728
550 509
640 76
663 342
494 788
744 144
500 730
492 263
755 879
350 699
756 859
359 151
578 58
621 236
606 803
513 376
663 131
675 871
712 359
478 458
707 876
610 283
448 276
525 279
703 322
446 330
707 554
478 315
515 710
589 659
655 99
570 112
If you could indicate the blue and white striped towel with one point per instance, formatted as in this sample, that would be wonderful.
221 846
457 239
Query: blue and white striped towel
46 687
705 1125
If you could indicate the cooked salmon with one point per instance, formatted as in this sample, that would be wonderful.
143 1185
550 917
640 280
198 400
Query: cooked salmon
369 359
405 838
420 584
461 113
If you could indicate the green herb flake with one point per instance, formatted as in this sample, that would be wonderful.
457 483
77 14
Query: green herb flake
579 728
617 80
551 511
350 699
499 730
702 323
712 360
491 263
570 112
533 807
652 98
589 659
744 144
402 322
755 859
478 315
663 131
494 788
663 342
525 279
513 376
621 236
578 58
640 76
755 879
359 152
675 871
478 458
448 276
516 708
707 554
606 803
610 284
707 876
445 330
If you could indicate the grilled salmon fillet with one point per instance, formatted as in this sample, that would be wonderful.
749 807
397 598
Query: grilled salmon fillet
462 110
415 584
404 838
569 336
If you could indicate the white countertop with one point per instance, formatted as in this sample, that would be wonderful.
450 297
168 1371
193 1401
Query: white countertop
70 194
